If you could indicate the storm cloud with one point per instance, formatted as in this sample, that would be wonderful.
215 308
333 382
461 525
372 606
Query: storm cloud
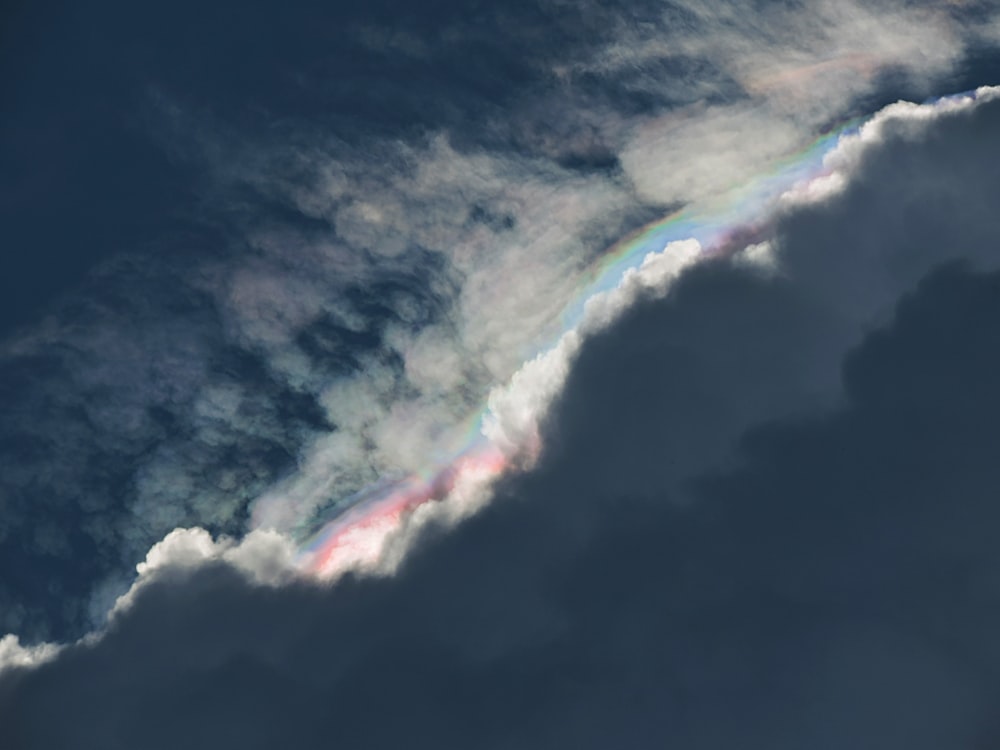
762 516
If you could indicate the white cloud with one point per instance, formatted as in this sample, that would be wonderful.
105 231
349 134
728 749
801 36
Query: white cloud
13 654
266 558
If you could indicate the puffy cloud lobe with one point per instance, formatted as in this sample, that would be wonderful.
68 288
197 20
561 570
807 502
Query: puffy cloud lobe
263 557
831 585
13 654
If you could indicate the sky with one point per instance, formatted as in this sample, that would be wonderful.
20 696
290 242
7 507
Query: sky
501 375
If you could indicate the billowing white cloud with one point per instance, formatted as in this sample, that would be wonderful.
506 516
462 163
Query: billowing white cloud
13 654
266 558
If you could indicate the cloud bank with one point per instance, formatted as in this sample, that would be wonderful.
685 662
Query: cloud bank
761 517
356 277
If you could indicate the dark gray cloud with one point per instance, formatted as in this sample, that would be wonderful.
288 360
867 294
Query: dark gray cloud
763 518
835 589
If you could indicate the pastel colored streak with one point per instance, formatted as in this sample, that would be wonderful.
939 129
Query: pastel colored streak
357 536
857 63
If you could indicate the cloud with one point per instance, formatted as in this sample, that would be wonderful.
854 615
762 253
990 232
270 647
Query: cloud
264 557
13 654
762 517
373 253
828 287
516 409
